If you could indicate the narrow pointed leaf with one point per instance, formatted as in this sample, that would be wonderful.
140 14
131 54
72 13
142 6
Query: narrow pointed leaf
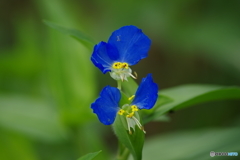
89 156
189 95
80 36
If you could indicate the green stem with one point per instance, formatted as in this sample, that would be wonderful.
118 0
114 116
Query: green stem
123 153
119 85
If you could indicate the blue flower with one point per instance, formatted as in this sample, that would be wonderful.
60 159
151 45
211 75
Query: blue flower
107 105
125 47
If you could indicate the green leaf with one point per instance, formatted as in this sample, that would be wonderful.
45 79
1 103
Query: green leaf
80 36
134 142
89 156
189 95
195 144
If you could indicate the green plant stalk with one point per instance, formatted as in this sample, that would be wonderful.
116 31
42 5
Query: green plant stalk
123 152
119 85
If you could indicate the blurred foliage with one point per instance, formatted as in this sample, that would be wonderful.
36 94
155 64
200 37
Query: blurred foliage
193 144
47 81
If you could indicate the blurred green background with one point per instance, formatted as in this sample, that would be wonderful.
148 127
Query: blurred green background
47 81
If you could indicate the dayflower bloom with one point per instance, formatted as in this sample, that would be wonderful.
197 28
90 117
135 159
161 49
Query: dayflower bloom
125 47
107 105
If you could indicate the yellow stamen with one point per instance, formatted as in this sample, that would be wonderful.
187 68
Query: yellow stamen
119 65
134 108
130 98
121 111
125 65
130 115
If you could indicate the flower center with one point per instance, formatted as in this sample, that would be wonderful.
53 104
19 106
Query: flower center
131 119
121 71
128 114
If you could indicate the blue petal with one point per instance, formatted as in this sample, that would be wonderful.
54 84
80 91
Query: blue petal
132 44
147 93
106 106
104 56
